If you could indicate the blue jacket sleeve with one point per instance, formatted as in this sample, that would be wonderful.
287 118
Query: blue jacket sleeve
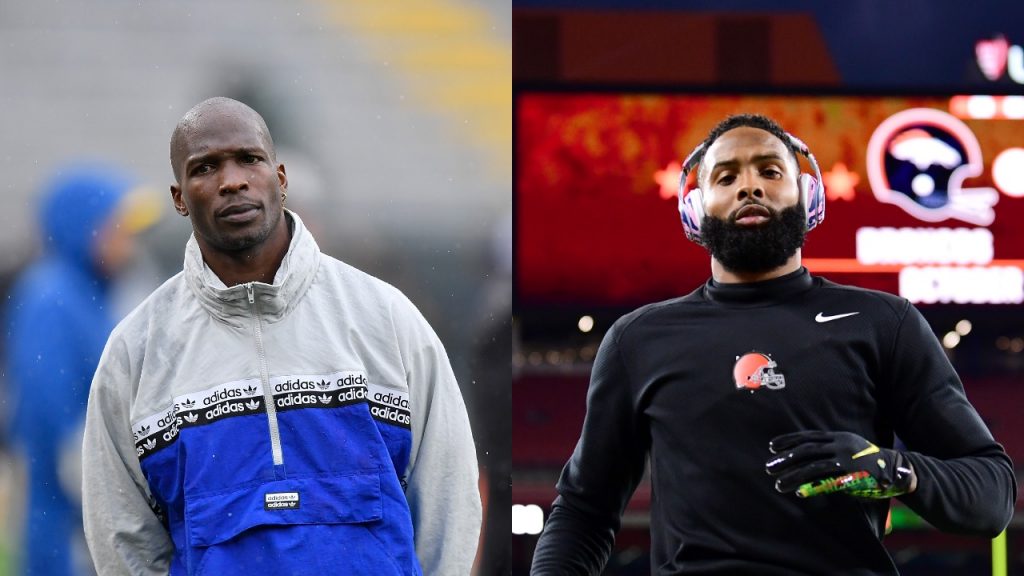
49 369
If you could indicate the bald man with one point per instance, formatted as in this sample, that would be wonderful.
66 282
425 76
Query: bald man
269 409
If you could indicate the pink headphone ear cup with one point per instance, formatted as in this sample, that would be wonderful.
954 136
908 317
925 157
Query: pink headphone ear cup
812 195
805 184
691 210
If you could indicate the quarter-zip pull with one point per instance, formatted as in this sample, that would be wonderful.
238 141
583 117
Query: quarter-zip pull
268 394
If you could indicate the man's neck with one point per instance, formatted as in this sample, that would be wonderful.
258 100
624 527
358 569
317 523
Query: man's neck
723 276
256 264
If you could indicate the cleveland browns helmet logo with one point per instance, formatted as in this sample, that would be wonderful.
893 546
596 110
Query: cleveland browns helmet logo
755 370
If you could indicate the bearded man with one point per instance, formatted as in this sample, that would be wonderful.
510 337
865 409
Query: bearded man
766 368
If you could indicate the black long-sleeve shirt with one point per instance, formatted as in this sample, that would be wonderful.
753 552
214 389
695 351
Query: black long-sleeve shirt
702 383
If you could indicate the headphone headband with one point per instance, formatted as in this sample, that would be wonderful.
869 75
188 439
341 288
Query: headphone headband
692 159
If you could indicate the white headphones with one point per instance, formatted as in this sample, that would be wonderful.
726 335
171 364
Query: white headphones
691 200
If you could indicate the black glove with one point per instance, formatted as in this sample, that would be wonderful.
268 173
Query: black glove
842 461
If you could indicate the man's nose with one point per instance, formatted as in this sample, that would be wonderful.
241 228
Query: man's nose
234 178
749 187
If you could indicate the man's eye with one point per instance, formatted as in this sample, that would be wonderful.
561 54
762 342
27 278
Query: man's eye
251 159
202 169
725 180
771 173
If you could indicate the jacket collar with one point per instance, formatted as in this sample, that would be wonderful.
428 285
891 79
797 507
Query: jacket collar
275 300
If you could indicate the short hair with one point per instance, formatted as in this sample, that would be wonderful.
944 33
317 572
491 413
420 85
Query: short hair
754 121
188 123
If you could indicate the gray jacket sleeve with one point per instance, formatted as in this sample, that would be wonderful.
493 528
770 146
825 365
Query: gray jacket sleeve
442 490
124 533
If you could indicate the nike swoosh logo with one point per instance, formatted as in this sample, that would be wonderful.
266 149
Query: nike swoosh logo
821 318
869 450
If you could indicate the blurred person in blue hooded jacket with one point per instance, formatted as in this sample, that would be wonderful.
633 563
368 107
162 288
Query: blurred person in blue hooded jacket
58 318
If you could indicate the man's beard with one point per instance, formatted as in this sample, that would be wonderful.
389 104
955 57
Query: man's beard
755 249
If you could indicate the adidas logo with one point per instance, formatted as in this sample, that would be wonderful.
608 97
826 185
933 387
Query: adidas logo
144 430
324 399
249 391
150 444
323 384
188 404
191 417
252 404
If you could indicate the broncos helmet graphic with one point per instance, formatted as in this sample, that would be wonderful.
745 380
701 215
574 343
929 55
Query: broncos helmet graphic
918 160
755 370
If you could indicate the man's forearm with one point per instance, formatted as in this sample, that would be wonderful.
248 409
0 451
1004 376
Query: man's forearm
969 495
572 543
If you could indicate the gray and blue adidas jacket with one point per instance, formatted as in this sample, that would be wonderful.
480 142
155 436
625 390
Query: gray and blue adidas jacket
312 426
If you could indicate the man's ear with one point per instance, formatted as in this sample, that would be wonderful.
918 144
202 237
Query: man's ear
282 176
179 202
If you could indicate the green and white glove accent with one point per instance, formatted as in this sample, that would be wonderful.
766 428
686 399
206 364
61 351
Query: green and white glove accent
815 462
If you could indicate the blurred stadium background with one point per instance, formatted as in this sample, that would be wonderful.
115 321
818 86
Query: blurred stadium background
389 115
610 95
